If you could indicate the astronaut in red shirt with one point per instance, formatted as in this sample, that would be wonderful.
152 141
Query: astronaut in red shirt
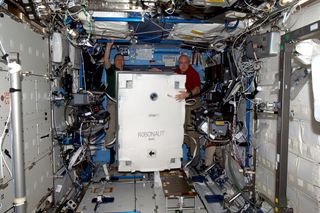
192 79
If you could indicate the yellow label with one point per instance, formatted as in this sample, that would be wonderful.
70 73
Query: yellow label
197 32
219 123
276 200
187 37
215 1
276 209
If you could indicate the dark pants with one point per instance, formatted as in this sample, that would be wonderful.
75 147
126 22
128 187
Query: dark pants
189 130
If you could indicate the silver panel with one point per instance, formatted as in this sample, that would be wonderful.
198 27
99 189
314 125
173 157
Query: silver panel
124 195
33 52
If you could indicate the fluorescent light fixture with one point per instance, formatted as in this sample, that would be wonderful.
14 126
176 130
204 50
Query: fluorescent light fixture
284 2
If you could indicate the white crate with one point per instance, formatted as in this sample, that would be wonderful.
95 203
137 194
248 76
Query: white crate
150 134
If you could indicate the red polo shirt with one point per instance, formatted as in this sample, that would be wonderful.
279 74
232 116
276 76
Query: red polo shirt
192 78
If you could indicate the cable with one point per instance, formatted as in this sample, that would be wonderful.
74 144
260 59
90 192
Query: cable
112 99
194 152
171 10
80 134
245 32
4 133
112 142
83 153
5 55
12 207
288 13
255 8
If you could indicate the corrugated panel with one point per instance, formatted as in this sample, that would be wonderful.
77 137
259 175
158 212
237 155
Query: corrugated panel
304 139
33 51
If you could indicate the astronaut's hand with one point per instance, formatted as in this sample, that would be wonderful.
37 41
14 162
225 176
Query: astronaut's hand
109 45
182 95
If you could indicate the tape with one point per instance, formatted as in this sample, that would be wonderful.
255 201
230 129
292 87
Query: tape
14 67
197 32
19 201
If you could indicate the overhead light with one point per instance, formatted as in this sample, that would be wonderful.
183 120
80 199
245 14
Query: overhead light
284 2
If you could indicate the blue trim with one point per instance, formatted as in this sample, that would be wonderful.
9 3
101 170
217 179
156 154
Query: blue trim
81 73
185 153
173 19
167 52
120 19
230 27
102 155
176 42
214 198
124 41
128 177
115 41
248 111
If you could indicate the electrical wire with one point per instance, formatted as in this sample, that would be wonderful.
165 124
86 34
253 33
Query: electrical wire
195 150
288 14
81 157
111 98
3 160
4 52
112 142
245 32
255 8
4 133
80 134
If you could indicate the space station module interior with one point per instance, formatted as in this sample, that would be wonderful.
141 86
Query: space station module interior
159 106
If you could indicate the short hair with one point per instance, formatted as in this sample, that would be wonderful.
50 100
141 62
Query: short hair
118 54
183 55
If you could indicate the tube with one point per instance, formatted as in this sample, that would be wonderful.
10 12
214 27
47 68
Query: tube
18 148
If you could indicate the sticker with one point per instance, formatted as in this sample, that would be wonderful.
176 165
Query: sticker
300 182
219 123
314 27
169 60
108 190
5 98
144 54
58 188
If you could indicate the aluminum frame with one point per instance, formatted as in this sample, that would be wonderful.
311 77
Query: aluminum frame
287 46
